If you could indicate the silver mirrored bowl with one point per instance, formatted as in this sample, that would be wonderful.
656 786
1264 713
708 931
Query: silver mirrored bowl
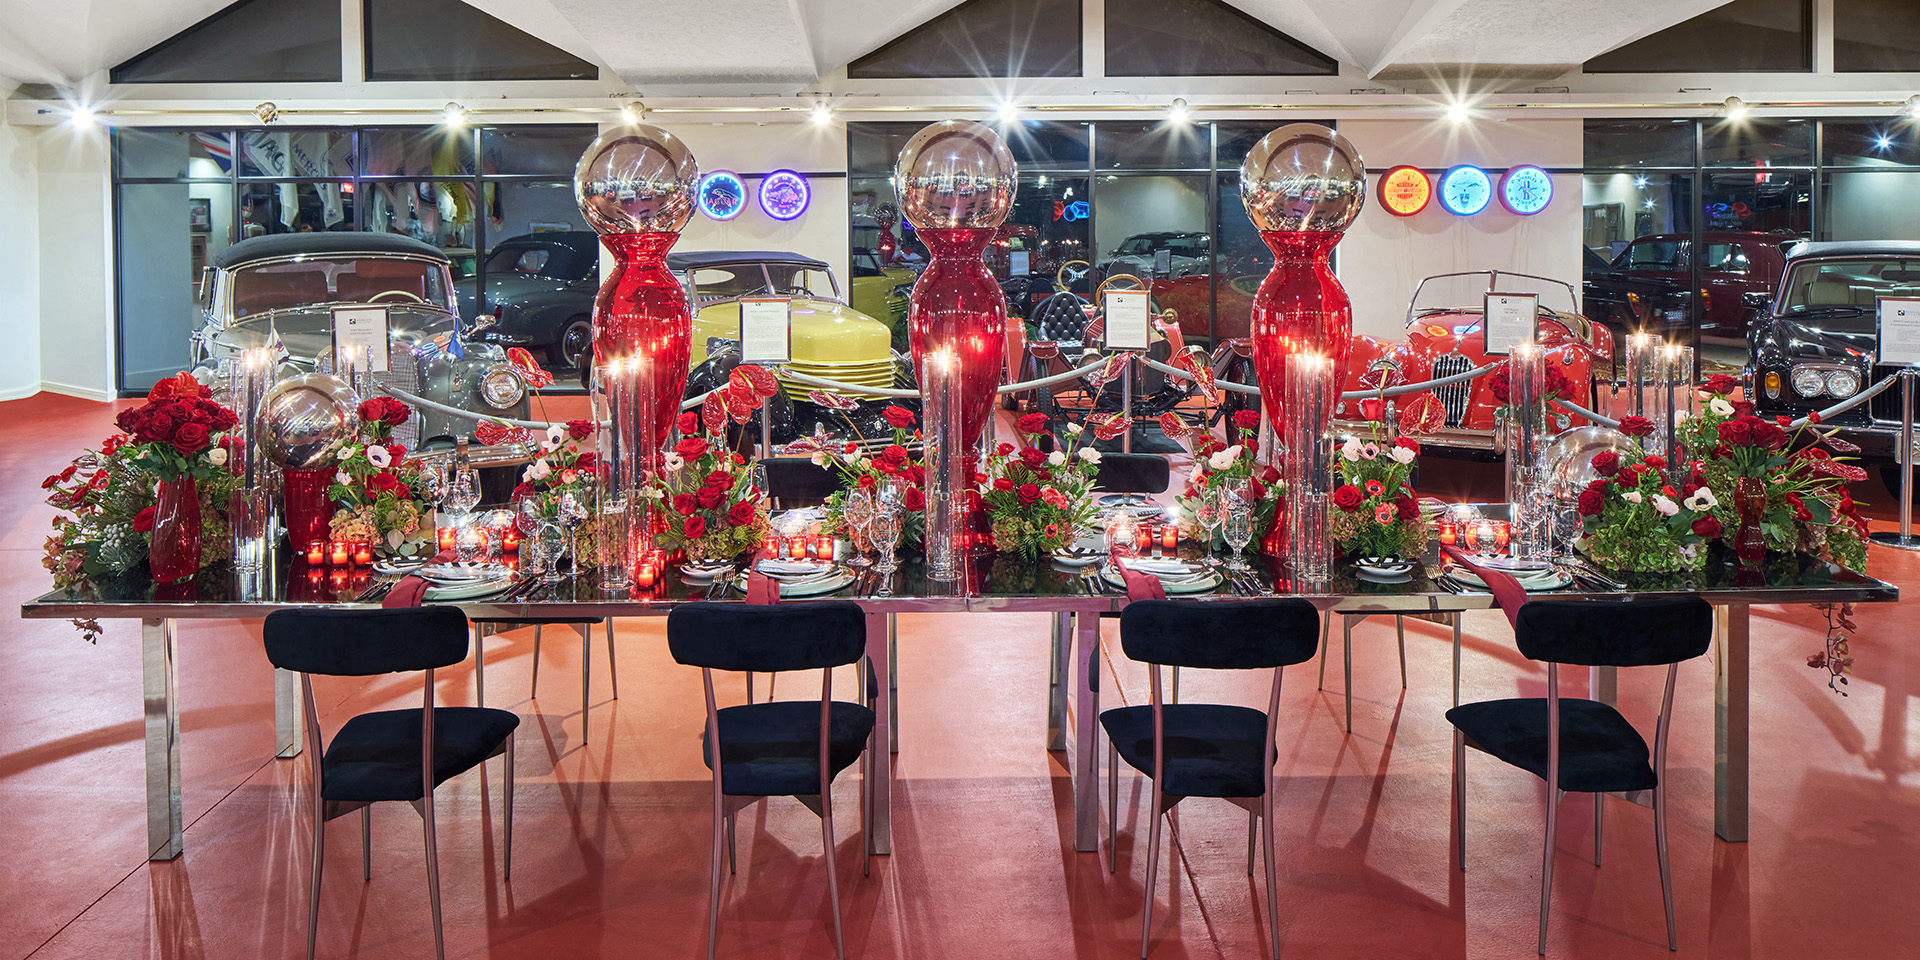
636 179
1303 177
955 174
305 420
1568 458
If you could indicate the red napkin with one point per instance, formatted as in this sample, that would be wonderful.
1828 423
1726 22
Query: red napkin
412 588
1141 586
760 587
1507 592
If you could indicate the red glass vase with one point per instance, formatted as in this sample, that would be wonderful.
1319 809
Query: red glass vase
957 306
307 510
1300 306
642 312
1750 498
173 553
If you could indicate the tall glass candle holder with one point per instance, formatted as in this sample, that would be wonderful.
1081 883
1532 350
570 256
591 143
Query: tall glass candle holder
1676 387
1643 358
612 542
248 512
946 447
1532 513
1309 463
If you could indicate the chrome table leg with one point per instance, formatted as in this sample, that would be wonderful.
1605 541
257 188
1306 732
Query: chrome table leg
879 644
1057 686
1604 684
1086 713
1730 723
892 666
161 708
289 731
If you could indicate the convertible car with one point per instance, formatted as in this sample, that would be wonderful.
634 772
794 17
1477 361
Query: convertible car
281 290
1444 338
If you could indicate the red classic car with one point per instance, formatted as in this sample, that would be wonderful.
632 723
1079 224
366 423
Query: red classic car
1189 298
1445 340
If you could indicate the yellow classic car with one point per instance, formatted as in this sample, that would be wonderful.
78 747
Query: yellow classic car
881 292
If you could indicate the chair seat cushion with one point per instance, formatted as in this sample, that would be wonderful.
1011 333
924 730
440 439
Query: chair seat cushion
1213 750
773 749
376 756
1600 752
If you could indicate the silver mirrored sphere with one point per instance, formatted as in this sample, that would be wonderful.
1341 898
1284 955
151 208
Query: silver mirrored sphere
1303 177
955 174
1568 458
305 420
636 179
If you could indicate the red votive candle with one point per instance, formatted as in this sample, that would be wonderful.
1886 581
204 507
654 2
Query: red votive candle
1447 535
644 577
771 547
444 537
363 554
510 540
1169 538
823 547
339 553
797 548
1502 532
316 553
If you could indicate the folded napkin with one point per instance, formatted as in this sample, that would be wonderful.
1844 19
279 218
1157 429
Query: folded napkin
1161 567
412 588
1142 586
788 568
761 588
1507 592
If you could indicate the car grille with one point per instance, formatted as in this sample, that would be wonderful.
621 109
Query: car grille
1885 405
872 373
403 374
1452 397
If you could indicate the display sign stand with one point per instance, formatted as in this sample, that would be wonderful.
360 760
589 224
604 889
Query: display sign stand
1507 319
766 336
1127 313
1898 342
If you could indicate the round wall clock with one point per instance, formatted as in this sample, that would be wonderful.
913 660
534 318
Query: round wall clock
784 195
722 195
1526 190
1405 191
1465 190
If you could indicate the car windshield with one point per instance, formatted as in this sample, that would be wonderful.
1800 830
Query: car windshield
751 280
1653 255
1854 282
866 263
1134 246
308 281
549 261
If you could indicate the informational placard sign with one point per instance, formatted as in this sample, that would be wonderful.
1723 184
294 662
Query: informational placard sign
1018 262
1163 262
1509 318
1899 330
766 329
362 329
1126 313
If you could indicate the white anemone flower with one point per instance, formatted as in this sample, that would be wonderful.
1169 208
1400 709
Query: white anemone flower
378 456
556 434
1225 458
1666 507
1089 454
1351 449
217 456
1057 458
1701 501
342 478
1720 407
673 462
1632 496
1402 455
539 469
1075 429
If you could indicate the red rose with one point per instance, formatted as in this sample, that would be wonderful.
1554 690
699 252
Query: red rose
1656 461
1348 497
1498 384
741 514
683 504
1558 383
1032 457
1408 442
1028 493
689 423
1590 502
1737 432
896 454
1372 408
129 420
1688 489
1246 419
1743 408
1606 463
396 412
386 482
1634 426
709 497
1814 418
191 438
143 521
371 409
915 474
1270 475
219 417
1784 421
1707 527
886 466
1598 486
1409 508
586 461
1004 449
899 418
694 527
690 447
1629 476
579 429
913 499
1721 384
1032 423
1002 483
866 481
1256 489
720 479
1767 435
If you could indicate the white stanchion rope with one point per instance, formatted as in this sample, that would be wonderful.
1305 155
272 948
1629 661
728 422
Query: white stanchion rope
420 401
1401 390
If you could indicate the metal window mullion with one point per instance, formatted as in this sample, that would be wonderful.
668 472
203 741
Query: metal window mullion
479 241
1213 236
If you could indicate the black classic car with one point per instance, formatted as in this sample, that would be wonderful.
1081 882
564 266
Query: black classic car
1816 347
540 289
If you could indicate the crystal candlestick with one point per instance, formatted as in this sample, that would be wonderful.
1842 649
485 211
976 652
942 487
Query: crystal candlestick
1532 517
945 471
1309 464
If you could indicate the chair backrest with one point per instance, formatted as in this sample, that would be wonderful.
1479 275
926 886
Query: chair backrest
1247 635
787 636
799 478
1060 318
360 643
1603 633
1132 473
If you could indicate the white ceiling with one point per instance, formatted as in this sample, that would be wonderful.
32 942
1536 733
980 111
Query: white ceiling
784 44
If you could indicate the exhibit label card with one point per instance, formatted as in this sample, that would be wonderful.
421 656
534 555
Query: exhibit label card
363 328
1126 312
766 329
1019 262
1899 339
1507 319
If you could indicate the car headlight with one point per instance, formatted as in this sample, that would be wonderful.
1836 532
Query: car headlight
1772 384
501 388
1809 381
1842 383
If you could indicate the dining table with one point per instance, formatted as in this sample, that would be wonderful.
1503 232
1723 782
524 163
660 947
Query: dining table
1074 596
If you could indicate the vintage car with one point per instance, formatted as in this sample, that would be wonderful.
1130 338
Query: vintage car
540 290
279 291
1444 337
1816 347
881 291
1190 298
1184 253
1645 287
830 339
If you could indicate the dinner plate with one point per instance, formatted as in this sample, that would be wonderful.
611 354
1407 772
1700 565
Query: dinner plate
1554 579
836 580
1202 582
790 570
705 570
1077 558
452 573
397 566
1386 571
1122 499
1375 575
468 591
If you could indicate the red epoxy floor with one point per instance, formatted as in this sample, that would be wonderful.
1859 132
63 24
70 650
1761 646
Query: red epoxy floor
611 836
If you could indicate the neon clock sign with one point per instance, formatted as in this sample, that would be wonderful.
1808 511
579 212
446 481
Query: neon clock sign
1465 190
722 195
784 195
1405 191
1526 190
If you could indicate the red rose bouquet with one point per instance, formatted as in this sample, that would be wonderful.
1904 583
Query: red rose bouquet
1038 502
106 500
1375 511
1219 465
896 468
1633 519
376 486
706 501
174 431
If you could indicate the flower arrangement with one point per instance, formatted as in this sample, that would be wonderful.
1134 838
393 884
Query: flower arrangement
1219 465
1377 513
1038 502
894 468
1633 519
710 507
173 432
376 487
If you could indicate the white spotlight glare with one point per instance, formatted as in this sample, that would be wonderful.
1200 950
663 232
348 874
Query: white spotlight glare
1913 106
83 117
1883 141
1735 108
634 112
1649 204
822 113
1177 111
1639 181
1009 112
454 115
1458 113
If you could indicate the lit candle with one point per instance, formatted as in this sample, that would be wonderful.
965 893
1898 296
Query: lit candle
823 547
771 547
1474 531
363 554
1447 535
339 553
510 540
1502 533
644 578
1169 538
797 548
444 536
316 553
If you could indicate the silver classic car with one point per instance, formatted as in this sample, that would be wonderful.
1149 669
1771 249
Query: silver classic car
280 292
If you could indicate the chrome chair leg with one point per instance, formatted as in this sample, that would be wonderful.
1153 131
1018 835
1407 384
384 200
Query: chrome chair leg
586 676
507 789
713 886
1460 797
1346 663
1599 810
1253 825
366 843
319 859
1153 857
1666 871
479 665
866 814
433 877
732 847
1326 639
833 876
1400 630
749 686
1273 889
1113 807
1176 685
534 690
1457 617
613 668
1546 862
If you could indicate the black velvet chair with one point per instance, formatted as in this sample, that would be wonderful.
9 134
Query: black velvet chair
1585 746
1202 749
1132 473
488 626
389 754
775 749
799 482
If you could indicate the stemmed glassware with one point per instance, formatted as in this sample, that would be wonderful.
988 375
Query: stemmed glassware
463 492
884 528
1237 527
1207 515
571 509
527 519
553 541
858 512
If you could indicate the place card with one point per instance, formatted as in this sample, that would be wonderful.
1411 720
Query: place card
1898 334
1126 314
362 329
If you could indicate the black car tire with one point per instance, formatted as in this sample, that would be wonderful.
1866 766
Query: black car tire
573 345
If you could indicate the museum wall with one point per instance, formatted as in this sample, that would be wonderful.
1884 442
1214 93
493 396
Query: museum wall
76 278
20 251
819 151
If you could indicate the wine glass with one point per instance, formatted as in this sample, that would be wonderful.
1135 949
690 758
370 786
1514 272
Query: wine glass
433 482
1122 533
571 511
1207 515
757 476
552 538
1237 527
884 528
857 512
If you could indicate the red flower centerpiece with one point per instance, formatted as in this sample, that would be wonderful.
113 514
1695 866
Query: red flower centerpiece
173 439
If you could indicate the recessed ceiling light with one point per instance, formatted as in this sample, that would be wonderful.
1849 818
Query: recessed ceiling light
821 112
1009 112
1458 113
1735 108
1177 111
455 115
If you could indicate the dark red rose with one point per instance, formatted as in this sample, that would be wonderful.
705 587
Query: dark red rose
1814 418
1738 432
695 527
709 497
896 454
1598 486
180 410
1558 383
1743 408
156 427
579 429
916 474
1606 463
1408 442
1002 483
1348 497
741 514
219 417
1270 475
523 490
1767 435
1028 494
913 499
1590 502
1033 457
396 413
191 438
1707 527
371 409
1784 421
886 466
1498 384
690 447
586 461
1721 384
1629 476
386 482
866 481
689 423
1688 489
1372 408
1408 507
1246 419
720 479
898 417
143 521
1656 461
1634 426
1032 423
683 504
1005 449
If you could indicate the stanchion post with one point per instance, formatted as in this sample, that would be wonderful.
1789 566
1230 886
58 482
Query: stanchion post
1126 407
1903 538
